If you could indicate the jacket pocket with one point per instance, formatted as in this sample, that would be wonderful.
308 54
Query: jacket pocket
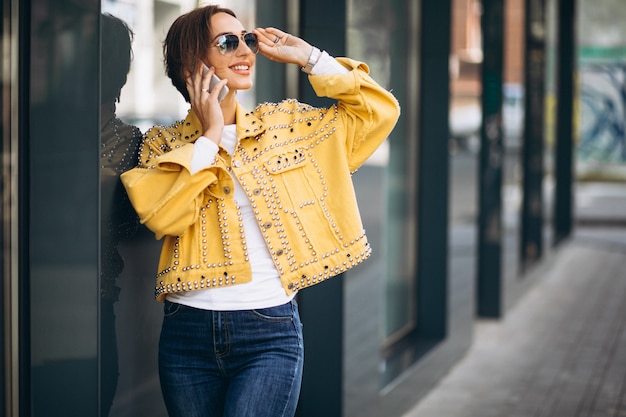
302 189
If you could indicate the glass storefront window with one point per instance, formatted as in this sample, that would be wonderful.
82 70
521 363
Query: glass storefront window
512 124
380 303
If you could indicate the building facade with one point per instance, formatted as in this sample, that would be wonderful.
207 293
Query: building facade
80 325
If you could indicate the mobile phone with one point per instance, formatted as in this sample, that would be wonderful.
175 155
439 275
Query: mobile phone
215 80
223 92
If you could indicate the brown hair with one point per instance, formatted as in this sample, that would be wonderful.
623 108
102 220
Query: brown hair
186 43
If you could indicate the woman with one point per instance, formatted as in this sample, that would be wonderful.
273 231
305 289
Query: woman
252 206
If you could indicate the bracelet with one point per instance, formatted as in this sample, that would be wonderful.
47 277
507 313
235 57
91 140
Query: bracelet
313 58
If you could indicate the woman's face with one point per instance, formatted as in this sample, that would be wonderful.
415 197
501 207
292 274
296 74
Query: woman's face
235 67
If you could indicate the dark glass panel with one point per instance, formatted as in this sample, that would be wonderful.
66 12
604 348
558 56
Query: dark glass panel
63 207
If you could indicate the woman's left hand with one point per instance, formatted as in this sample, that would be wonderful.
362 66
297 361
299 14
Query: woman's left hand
280 46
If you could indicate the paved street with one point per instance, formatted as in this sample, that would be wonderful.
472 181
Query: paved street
561 350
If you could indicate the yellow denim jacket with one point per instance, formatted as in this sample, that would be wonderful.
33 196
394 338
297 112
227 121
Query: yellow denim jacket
294 162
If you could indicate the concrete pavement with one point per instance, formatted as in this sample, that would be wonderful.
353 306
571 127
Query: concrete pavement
560 351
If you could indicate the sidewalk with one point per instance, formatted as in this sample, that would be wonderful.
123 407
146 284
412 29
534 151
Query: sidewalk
561 350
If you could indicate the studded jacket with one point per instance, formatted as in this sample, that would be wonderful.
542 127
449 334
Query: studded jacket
295 164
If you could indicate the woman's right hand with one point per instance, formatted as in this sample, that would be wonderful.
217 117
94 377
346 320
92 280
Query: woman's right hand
206 105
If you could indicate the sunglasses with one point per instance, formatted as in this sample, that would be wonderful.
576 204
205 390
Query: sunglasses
228 44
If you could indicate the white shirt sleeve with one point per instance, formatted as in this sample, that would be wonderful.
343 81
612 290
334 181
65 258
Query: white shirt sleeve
328 65
204 151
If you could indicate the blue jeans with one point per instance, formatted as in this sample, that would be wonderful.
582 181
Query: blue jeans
231 363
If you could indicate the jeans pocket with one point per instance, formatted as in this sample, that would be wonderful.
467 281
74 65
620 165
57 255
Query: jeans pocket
282 313
171 309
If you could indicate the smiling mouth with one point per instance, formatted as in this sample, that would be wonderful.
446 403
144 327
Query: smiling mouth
240 67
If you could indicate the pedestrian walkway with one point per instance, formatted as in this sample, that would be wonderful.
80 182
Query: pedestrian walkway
559 352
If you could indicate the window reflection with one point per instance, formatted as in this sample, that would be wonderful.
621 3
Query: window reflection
129 317
119 144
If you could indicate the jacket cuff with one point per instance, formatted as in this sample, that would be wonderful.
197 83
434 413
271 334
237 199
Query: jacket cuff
221 184
335 85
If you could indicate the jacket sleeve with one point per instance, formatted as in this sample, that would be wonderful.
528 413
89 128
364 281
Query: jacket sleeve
165 195
368 111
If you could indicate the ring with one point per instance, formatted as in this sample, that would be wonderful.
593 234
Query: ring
205 90
277 39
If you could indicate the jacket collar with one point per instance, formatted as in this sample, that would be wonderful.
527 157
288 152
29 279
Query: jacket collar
248 125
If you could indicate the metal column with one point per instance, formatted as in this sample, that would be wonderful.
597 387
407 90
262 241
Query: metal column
433 168
531 245
321 306
564 147
489 285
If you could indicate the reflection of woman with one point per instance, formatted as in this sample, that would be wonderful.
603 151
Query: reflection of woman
253 206
118 152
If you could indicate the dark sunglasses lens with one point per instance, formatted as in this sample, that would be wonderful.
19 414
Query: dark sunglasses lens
252 42
228 43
